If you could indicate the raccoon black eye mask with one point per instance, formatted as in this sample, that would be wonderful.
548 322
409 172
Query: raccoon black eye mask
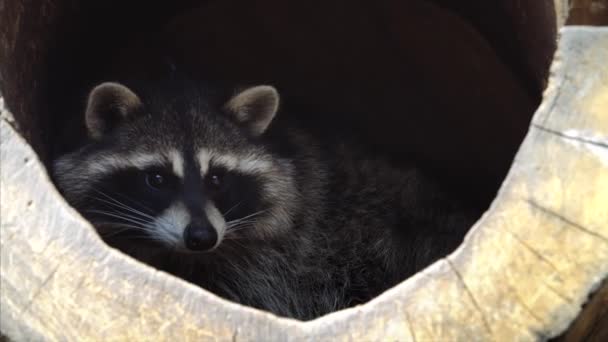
227 194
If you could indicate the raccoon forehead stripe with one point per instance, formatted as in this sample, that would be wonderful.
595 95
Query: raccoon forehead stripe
109 163
177 161
246 163
203 156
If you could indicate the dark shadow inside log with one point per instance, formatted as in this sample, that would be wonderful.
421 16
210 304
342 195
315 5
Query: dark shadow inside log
449 85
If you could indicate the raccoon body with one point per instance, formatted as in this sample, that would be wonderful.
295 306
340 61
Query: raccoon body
222 193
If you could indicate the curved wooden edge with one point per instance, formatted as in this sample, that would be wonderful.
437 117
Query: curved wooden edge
562 9
523 272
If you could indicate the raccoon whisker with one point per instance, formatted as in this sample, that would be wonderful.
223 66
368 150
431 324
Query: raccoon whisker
247 217
231 233
124 227
119 204
131 209
236 223
109 197
240 226
148 238
235 230
139 203
117 225
113 232
128 218
126 198
255 214
231 230
229 210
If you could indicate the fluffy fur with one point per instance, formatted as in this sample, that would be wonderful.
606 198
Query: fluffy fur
331 226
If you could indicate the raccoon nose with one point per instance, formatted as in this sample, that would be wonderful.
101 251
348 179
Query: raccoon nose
200 237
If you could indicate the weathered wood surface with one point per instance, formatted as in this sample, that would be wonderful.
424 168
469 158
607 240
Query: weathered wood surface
523 272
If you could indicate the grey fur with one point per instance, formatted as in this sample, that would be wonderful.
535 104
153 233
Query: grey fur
345 226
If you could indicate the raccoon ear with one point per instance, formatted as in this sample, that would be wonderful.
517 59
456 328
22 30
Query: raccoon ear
254 108
108 105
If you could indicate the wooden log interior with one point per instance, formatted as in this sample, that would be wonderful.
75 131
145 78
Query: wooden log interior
523 273
588 12
334 62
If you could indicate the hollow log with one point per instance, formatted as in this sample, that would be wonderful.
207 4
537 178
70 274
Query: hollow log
524 271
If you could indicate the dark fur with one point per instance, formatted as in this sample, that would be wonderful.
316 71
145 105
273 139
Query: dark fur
359 226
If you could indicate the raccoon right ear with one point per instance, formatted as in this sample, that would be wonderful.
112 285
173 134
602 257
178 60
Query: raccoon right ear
254 108
108 105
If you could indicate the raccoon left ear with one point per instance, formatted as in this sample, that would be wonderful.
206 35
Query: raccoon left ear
108 105
254 108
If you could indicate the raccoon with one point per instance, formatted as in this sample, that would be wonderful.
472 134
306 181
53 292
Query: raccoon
223 192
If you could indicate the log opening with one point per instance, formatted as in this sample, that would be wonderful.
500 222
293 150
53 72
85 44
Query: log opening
46 59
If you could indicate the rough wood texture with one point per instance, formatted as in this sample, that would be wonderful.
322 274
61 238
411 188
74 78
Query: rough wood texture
523 272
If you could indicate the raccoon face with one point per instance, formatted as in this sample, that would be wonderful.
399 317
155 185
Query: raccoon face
186 177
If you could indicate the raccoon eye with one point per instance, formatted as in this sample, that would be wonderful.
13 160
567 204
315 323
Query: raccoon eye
215 180
155 180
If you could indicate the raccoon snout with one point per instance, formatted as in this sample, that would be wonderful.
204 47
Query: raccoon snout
200 237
